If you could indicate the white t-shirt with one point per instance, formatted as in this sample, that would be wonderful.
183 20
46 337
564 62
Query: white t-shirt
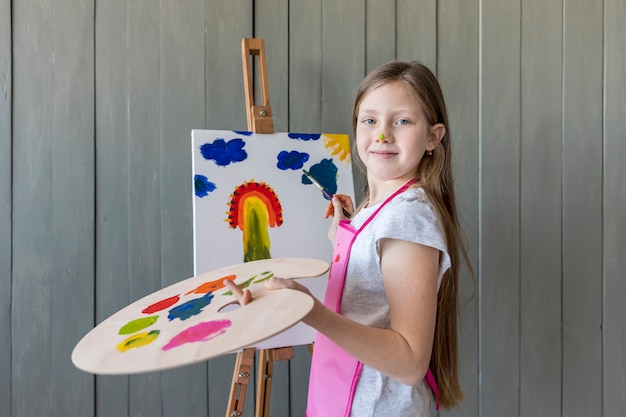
409 216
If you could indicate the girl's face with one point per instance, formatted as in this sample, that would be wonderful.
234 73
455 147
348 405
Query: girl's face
392 133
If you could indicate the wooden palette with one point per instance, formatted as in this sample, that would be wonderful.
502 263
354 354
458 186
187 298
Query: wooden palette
197 319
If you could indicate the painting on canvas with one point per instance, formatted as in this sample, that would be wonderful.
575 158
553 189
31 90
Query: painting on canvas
252 201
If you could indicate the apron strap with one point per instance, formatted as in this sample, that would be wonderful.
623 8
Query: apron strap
430 379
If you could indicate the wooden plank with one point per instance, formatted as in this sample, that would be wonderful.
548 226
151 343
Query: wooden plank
73 202
541 208
305 114
380 33
182 109
305 66
223 73
223 62
144 177
499 259
457 40
416 26
6 97
112 206
343 58
582 238
614 227
271 23
33 260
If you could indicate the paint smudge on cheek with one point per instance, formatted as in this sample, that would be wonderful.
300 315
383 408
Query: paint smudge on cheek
201 332
138 340
134 326
161 305
190 308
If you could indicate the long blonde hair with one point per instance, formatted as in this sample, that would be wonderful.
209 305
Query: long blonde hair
435 177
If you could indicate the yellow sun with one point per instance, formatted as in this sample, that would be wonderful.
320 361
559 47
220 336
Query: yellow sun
338 145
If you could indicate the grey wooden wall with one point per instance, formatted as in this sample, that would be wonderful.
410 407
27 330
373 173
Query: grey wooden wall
97 101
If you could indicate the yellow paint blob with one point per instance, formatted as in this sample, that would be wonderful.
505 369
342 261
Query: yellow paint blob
138 340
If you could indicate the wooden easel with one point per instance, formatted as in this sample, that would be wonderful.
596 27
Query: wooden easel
259 121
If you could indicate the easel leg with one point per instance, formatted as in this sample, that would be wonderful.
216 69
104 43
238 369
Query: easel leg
241 377
267 357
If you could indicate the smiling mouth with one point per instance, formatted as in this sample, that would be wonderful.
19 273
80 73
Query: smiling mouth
383 153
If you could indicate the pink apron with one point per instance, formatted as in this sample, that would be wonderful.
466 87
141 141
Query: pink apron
334 372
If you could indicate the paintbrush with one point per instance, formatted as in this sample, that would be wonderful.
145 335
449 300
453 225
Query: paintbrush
328 196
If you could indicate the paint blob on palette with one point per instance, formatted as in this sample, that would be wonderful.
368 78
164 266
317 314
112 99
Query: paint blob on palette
197 319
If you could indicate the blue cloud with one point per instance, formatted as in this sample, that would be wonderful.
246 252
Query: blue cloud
203 186
304 136
291 160
224 153
325 172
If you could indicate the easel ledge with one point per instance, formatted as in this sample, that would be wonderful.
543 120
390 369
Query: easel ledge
259 121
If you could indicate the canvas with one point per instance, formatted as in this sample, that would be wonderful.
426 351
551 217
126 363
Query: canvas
252 201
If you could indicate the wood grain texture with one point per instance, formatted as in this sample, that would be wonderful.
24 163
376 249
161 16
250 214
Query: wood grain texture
416 28
582 201
33 260
6 115
499 228
96 109
112 193
614 221
73 200
182 108
226 23
541 209
457 34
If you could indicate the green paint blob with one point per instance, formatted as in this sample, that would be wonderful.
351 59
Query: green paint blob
264 277
134 326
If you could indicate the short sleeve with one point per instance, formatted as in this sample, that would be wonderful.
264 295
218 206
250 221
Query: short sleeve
411 217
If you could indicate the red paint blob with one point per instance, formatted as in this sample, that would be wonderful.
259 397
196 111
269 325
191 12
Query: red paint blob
161 305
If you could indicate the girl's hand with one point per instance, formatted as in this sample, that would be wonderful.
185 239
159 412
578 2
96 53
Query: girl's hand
335 209
275 283
243 296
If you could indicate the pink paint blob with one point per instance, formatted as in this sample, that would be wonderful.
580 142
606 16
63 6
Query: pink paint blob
201 332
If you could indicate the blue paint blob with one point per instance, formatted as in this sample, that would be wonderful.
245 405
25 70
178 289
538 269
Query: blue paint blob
224 153
203 186
243 133
325 172
190 308
291 160
304 136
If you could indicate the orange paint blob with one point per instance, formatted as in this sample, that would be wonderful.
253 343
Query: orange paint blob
212 286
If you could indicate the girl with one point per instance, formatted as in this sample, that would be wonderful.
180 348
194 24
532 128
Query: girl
387 327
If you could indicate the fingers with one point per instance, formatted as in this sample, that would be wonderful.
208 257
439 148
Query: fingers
339 203
243 297
330 211
280 283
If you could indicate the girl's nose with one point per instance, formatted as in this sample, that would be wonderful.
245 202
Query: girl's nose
382 138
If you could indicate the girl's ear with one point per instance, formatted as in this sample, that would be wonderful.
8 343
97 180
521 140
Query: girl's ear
437 132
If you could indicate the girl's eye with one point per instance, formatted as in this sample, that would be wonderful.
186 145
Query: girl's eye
368 121
403 122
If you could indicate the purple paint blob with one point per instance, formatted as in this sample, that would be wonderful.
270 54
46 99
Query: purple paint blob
201 332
